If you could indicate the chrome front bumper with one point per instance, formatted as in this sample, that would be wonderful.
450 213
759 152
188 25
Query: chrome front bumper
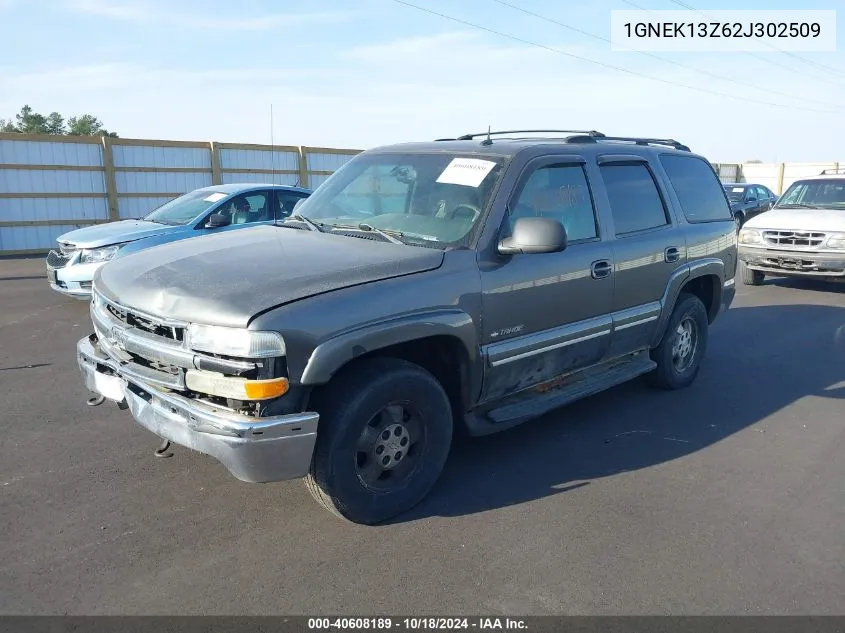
252 449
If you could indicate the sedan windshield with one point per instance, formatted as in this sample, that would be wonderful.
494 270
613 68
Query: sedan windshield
429 199
182 210
828 194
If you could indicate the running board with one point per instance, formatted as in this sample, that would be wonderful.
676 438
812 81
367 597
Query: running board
544 398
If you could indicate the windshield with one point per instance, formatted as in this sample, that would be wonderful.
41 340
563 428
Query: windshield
182 210
432 199
735 194
815 194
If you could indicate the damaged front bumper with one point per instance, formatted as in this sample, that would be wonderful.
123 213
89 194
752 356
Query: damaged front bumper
252 449
792 262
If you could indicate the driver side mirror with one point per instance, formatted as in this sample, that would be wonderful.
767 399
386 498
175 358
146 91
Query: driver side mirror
534 235
218 220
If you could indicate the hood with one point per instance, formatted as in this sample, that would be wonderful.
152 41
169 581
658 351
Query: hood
114 233
799 220
228 278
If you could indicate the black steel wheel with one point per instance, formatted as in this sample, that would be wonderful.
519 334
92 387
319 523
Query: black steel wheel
384 435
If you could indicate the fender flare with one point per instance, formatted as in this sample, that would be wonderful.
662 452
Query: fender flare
330 355
681 276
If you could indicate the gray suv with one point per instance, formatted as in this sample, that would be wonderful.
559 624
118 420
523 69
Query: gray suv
425 289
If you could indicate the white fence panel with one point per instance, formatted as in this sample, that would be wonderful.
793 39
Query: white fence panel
151 156
50 153
160 181
138 207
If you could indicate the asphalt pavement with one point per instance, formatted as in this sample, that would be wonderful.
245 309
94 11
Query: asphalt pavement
724 498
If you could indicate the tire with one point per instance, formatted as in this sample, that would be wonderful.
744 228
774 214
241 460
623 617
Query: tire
691 316
739 220
362 411
752 277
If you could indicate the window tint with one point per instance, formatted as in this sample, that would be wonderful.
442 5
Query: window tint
285 202
558 192
698 188
634 199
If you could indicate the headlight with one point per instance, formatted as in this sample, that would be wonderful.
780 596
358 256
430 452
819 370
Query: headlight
836 240
750 236
97 255
236 342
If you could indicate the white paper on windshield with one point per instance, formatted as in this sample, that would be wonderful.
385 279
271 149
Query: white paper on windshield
215 197
469 172
736 190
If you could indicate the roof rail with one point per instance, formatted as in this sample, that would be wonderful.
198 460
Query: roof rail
630 139
832 172
469 137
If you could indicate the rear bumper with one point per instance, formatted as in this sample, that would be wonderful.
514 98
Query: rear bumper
252 449
793 263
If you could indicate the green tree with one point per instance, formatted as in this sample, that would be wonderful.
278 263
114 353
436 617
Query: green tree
30 122
87 125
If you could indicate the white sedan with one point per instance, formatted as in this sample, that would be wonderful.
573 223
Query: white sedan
803 235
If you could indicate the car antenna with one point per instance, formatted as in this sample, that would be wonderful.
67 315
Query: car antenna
488 140
272 146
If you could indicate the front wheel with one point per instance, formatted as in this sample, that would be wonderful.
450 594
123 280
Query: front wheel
679 354
384 435
739 220
752 277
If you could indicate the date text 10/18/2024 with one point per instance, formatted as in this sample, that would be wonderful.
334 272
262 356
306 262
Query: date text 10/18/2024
415 624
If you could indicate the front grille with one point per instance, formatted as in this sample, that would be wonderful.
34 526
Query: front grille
809 239
148 325
57 260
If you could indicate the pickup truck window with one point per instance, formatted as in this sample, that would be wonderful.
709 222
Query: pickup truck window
436 199
635 202
698 189
559 192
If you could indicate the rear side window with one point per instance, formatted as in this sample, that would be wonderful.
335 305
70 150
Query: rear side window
635 203
698 188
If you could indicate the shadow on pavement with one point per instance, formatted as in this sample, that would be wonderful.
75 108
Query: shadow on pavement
759 360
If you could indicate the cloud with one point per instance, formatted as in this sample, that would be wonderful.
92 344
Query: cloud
146 12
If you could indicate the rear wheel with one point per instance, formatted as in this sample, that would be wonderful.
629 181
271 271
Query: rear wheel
752 277
384 436
679 354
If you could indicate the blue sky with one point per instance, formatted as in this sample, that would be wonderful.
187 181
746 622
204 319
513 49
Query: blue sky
359 73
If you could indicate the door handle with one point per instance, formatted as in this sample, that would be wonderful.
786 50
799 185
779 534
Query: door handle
671 254
600 269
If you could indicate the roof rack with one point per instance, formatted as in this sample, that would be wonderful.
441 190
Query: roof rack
469 137
630 139
832 172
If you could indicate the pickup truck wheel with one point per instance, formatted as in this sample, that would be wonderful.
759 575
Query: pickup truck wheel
752 277
679 354
384 435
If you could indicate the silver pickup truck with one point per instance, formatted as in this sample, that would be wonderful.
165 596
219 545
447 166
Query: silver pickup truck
461 285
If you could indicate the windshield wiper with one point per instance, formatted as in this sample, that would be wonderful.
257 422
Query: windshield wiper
363 226
796 205
311 224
